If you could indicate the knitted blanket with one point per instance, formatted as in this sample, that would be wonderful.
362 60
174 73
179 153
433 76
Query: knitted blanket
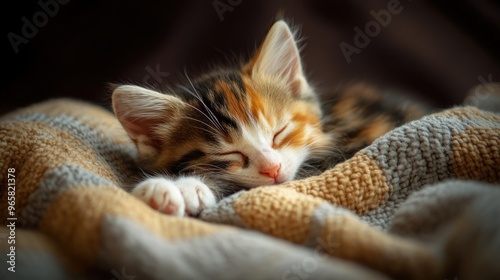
421 202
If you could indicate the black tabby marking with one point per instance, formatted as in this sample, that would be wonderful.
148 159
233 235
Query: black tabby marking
186 159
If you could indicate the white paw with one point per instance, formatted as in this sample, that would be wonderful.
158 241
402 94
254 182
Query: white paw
197 195
184 196
161 194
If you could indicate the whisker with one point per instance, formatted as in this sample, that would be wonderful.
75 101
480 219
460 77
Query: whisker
308 170
211 119
205 169
197 95
213 131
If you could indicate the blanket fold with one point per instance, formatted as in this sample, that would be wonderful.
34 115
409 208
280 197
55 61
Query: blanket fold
409 206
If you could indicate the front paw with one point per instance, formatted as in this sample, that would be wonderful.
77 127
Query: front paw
184 196
161 194
197 195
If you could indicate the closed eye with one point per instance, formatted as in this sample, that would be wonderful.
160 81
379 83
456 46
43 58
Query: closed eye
243 157
277 134
230 153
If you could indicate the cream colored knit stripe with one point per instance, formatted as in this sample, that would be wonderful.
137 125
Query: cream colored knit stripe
325 228
412 156
51 140
317 223
224 212
225 255
341 233
418 154
75 216
120 157
357 184
476 154
54 182
33 148
415 154
276 211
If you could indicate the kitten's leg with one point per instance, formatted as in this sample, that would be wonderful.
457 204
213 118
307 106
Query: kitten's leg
183 196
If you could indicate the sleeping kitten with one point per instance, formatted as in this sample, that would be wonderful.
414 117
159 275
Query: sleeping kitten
252 125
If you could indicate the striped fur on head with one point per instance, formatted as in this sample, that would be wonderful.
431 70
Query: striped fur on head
252 125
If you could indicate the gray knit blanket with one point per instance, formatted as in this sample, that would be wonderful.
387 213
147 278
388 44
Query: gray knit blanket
421 202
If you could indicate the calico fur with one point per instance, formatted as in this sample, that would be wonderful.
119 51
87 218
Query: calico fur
258 123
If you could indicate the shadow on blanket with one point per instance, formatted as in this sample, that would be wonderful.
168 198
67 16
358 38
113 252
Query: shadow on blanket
419 203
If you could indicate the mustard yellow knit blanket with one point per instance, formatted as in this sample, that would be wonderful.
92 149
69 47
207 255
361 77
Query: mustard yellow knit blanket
421 202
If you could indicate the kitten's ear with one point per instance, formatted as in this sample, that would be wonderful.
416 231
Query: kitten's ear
142 112
278 58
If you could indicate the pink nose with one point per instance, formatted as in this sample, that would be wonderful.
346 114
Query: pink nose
271 171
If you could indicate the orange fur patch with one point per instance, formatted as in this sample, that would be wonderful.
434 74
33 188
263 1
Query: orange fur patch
297 137
379 127
256 105
234 106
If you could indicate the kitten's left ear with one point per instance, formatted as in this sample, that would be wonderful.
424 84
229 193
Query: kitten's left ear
279 58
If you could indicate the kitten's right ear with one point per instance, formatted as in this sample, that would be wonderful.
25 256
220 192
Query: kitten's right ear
143 112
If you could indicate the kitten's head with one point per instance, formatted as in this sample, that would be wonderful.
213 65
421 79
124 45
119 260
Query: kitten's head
253 125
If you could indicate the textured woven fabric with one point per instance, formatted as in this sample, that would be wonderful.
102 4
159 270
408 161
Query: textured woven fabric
410 206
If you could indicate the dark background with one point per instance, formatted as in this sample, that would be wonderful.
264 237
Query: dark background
434 49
